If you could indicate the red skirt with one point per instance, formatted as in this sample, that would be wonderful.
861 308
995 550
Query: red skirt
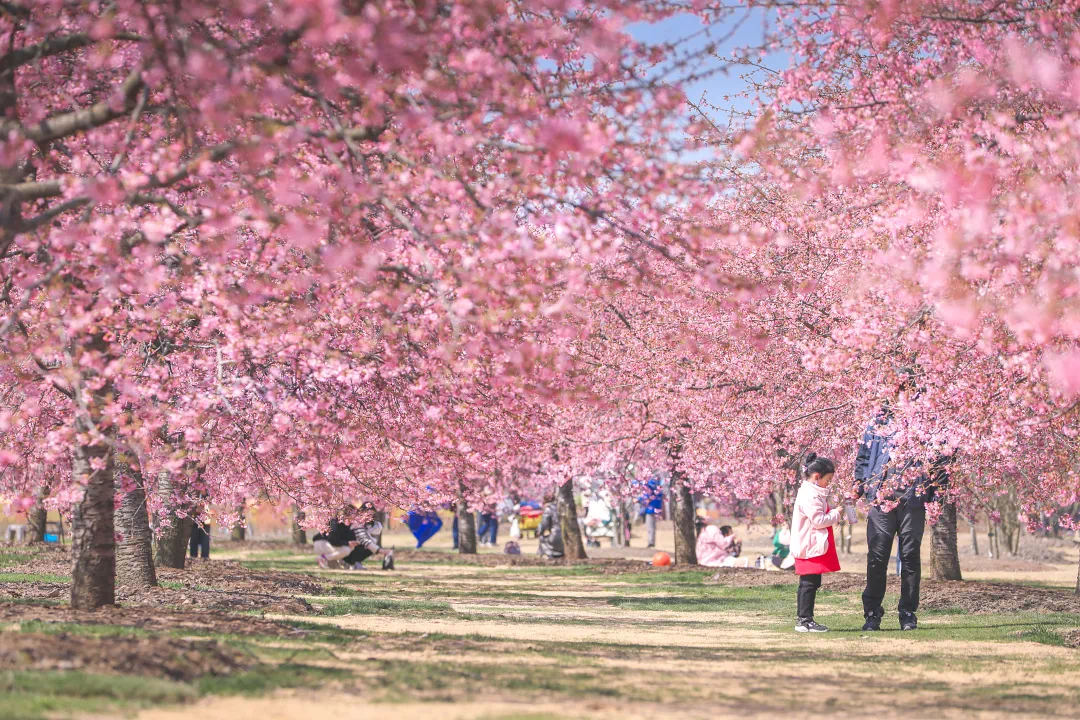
826 563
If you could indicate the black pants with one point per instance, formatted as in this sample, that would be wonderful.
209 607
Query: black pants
808 587
359 554
200 539
907 520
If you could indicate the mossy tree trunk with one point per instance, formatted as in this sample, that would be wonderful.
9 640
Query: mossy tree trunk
36 517
683 516
946 558
466 524
135 549
299 535
239 532
574 548
93 546
170 546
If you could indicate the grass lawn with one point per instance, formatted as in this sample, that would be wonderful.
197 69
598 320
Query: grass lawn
486 642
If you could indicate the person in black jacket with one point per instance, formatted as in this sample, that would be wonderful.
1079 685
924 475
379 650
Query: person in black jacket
904 488
352 545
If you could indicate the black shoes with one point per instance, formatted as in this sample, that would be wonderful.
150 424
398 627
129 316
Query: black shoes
809 626
907 622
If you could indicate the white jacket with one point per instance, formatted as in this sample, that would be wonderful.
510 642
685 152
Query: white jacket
812 517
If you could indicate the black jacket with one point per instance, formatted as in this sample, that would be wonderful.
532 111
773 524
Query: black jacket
340 535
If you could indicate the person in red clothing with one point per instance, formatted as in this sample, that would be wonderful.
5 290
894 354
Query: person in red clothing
812 543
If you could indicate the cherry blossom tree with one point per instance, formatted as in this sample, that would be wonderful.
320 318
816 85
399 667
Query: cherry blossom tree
935 141
300 250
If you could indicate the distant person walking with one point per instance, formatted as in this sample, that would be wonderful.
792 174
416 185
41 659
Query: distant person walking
812 541
904 489
652 505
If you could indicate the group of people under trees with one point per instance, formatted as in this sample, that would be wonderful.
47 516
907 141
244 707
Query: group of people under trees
897 494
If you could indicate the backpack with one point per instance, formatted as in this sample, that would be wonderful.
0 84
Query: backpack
511 548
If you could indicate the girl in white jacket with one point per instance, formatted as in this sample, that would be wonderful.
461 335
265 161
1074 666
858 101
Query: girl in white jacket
812 543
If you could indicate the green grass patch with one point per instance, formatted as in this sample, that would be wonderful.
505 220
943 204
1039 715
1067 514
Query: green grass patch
263 679
41 695
381 606
1043 636
15 557
7 577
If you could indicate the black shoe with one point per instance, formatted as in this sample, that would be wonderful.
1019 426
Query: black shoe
872 624
809 626
909 622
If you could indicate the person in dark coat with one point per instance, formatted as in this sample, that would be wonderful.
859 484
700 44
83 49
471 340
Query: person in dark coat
361 542
904 488
550 532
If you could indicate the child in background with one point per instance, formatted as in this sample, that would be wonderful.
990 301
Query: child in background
812 542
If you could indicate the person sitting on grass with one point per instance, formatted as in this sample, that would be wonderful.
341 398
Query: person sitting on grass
719 547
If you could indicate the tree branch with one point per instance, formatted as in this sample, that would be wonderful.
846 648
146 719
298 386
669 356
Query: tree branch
55 46
70 123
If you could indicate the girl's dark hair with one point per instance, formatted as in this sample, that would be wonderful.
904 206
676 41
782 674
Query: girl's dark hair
725 530
819 465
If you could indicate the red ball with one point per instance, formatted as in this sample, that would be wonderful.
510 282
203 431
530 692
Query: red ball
661 559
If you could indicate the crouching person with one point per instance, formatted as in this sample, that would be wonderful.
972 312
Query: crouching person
349 546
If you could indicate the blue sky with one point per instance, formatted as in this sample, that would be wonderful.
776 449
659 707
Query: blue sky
743 30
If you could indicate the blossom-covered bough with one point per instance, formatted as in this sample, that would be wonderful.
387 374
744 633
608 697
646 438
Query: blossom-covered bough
938 141
904 203
403 250
303 250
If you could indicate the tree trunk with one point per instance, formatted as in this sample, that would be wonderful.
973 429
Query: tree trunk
170 547
571 531
1078 578
36 517
683 515
135 550
466 524
93 548
946 559
239 532
974 541
299 535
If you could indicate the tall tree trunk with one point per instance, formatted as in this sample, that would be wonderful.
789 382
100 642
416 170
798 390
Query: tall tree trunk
170 547
1078 578
574 548
37 516
135 549
683 515
946 559
239 532
93 548
974 540
466 524
299 535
